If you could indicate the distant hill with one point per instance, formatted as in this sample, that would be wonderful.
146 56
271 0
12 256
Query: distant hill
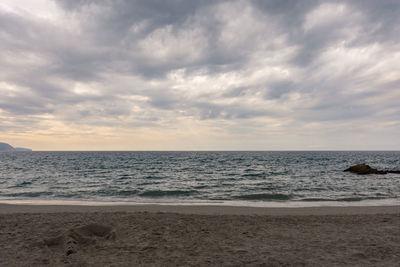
22 149
7 147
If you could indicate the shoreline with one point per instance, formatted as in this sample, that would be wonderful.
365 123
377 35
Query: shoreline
224 203
199 209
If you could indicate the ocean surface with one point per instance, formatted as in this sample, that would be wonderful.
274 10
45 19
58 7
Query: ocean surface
229 178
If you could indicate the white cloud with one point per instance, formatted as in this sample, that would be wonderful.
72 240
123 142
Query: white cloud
167 44
331 14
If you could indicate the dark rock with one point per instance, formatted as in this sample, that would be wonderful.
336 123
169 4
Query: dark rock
364 169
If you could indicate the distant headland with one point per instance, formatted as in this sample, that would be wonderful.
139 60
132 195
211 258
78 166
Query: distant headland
8 147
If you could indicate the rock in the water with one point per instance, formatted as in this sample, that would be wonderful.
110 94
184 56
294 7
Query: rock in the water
364 169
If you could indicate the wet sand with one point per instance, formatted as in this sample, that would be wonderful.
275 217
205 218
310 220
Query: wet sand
161 235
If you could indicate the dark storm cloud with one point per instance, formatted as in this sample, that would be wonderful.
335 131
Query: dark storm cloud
111 21
380 24
139 62
383 19
122 25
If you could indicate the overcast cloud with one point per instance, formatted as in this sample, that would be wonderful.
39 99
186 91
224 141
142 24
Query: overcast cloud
200 74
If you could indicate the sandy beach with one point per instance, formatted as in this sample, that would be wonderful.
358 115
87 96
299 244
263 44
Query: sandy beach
162 235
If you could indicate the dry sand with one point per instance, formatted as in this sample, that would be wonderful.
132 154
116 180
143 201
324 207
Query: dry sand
155 235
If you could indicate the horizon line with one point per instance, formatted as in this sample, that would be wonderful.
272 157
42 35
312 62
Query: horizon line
215 150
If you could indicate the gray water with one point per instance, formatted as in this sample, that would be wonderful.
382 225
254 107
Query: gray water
180 177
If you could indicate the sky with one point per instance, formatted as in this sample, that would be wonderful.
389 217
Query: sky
200 75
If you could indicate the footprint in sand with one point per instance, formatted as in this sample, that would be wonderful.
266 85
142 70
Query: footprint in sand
79 236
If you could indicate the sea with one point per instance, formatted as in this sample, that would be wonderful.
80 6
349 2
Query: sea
238 178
